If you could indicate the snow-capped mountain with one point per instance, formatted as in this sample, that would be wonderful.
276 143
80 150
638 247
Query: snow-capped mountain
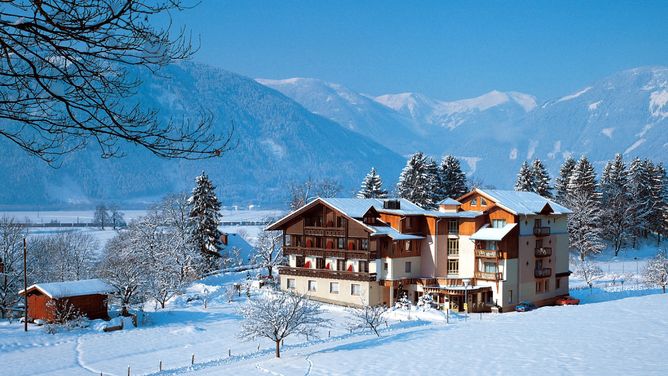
493 133
278 142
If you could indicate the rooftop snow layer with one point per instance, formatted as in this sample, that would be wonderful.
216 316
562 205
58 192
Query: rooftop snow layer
392 233
56 290
524 202
493 233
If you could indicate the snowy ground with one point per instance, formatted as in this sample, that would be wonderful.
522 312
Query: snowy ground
613 331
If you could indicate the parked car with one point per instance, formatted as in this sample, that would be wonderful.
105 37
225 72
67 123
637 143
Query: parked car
525 307
567 300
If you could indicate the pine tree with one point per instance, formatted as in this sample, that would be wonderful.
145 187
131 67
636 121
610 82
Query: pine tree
640 185
659 218
452 180
525 179
417 181
561 185
541 179
582 180
205 212
585 234
372 186
616 213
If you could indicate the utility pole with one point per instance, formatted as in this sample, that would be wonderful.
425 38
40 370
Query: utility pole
25 285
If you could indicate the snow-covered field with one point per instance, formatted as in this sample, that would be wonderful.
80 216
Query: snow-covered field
613 332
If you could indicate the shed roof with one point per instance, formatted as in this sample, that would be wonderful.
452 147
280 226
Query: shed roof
394 234
57 290
493 233
527 203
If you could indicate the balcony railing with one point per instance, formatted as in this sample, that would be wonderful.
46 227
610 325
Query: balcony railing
543 252
542 273
486 253
326 273
541 231
489 276
324 231
327 252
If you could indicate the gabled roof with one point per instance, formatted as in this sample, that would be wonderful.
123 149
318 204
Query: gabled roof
520 203
345 206
492 233
449 201
57 290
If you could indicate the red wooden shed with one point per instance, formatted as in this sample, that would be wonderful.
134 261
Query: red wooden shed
89 297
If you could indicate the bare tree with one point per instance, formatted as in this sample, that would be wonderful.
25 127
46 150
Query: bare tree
367 317
117 217
101 217
279 315
62 257
656 272
268 251
11 263
589 273
69 69
301 194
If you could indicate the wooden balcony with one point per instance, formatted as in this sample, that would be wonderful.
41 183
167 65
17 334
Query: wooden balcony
488 276
541 231
326 273
543 252
542 273
324 231
486 253
326 252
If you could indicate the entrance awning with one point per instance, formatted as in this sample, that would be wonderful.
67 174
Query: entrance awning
456 290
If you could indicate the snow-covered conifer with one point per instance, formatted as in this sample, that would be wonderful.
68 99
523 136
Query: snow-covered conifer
205 212
541 179
584 231
658 220
277 316
561 185
641 176
452 179
11 260
525 179
583 179
656 272
372 186
616 210
417 181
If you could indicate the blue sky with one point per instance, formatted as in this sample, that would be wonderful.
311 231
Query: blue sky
444 49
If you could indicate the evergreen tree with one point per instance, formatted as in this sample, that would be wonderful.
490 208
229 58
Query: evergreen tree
582 180
659 218
541 179
372 186
561 185
205 212
616 213
525 179
452 180
417 181
640 185
585 234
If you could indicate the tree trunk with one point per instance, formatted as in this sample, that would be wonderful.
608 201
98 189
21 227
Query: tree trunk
664 288
270 270
278 349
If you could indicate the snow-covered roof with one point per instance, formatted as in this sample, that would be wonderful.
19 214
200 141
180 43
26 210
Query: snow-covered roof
237 241
56 290
392 233
449 201
493 233
527 203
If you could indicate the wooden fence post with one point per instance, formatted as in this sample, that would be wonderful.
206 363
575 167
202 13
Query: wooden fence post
160 366
192 360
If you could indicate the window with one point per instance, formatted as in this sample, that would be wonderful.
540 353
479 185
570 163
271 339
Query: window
538 222
490 267
408 222
547 285
355 289
320 263
407 267
453 227
491 244
498 223
558 283
312 285
453 247
288 240
340 264
340 242
365 244
483 202
539 243
453 266
363 267
385 266
407 245
333 287
510 296
291 283
539 287
299 261
474 202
